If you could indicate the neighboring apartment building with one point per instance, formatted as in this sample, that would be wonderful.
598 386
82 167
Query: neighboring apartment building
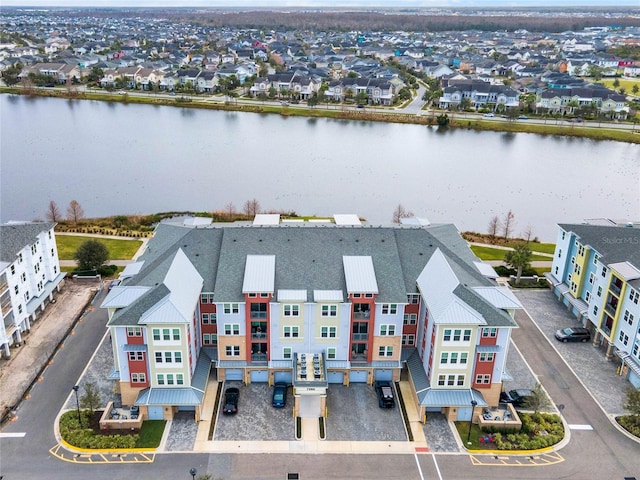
29 274
478 94
596 274
310 304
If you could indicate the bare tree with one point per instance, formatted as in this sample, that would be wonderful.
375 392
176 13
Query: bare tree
399 213
75 212
53 212
507 224
494 226
528 233
252 207
230 209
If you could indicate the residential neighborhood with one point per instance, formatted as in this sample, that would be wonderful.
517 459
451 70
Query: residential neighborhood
555 74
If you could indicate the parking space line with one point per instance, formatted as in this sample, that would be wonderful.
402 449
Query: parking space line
415 456
580 427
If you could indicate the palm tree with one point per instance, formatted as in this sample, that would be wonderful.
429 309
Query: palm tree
519 258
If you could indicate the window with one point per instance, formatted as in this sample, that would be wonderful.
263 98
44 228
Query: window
563 234
206 339
27 295
166 334
264 295
156 333
587 297
463 358
581 250
206 298
158 357
232 350
170 379
135 332
205 318
385 351
168 357
592 277
136 356
634 296
387 330
253 295
489 332
410 319
444 358
329 310
23 277
179 379
447 335
466 336
624 338
291 332
331 353
232 329
628 317
231 308
483 379
160 378
176 334
559 252
486 357
456 335
138 378
596 257
573 260
451 380
178 357
595 309
441 380
413 298
16 289
286 353
460 381
368 295
13 269
389 308
454 358
408 340
291 310
599 292
604 272
20 308
328 332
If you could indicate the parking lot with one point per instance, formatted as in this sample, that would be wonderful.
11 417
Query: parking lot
256 418
354 415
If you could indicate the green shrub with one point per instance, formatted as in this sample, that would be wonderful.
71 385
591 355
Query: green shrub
631 423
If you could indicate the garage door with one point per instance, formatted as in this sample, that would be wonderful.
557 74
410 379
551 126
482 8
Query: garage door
358 376
233 374
155 412
259 376
335 377
384 375
284 377
187 408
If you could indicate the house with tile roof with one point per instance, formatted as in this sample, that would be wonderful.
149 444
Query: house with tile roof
596 274
311 304
29 276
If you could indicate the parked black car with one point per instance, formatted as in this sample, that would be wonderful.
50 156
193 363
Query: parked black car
279 395
574 334
231 397
385 394
518 397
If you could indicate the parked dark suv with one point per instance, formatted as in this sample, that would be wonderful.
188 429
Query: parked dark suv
385 394
231 397
575 334
518 397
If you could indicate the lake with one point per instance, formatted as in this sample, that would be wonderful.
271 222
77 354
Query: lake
138 159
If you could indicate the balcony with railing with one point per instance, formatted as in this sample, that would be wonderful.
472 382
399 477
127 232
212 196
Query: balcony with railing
9 320
607 323
616 286
258 311
258 352
259 331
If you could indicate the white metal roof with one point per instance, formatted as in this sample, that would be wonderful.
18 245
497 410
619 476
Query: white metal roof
196 221
499 297
292 295
415 221
319 220
486 269
628 271
131 269
346 219
328 296
259 274
266 219
360 274
120 297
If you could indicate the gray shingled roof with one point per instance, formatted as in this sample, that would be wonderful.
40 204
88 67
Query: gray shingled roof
615 244
15 236
129 316
493 316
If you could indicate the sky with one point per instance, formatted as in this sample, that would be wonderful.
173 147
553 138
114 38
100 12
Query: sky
319 3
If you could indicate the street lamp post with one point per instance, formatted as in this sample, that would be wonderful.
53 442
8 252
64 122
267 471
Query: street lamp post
193 473
473 407
75 389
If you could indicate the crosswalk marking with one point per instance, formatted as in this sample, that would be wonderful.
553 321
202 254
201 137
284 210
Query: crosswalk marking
580 427
13 435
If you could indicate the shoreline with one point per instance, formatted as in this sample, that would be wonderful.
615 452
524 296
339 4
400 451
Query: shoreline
457 120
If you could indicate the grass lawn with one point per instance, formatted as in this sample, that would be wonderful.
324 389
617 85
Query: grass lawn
626 83
549 248
151 434
476 433
488 253
118 249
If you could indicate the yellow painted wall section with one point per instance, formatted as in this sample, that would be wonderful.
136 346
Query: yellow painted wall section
578 278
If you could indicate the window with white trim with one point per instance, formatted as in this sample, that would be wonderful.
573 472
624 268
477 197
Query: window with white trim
596 257
331 353
604 272
408 340
209 338
413 298
286 353
206 298
179 379
410 319
444 358
138 378
463 358
160 378
232 329
595 309
442 380
624 338
134 332
587 296
329 310
599 292
628 317
387 330
592 277
385 351
230 308
389 308
483 379
446 337
232 350
136 356
291 332
634 296
176 334
328 332
208 318
489 332
291 310
156 334
486 357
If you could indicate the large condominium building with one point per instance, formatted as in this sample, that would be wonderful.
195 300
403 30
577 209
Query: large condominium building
29 274
596 274
310 304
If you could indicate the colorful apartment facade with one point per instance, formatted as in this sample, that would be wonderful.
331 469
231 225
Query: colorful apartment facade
596 274
29 276
310 304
